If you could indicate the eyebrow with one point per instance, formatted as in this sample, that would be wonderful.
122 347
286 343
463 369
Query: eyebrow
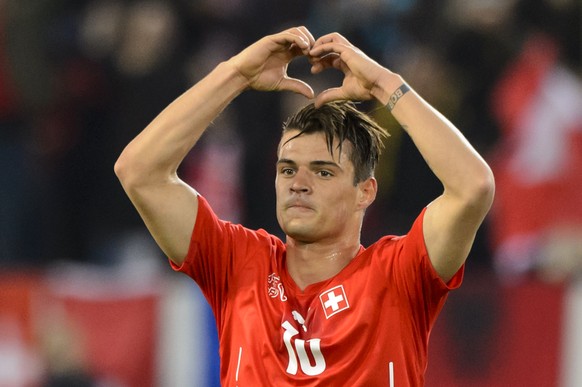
314 163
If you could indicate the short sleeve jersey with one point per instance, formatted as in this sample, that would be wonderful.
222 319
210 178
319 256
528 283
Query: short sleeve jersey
367 326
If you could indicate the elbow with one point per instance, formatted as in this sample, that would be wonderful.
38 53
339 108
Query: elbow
128 170
122 168
475 190
482 193
135 172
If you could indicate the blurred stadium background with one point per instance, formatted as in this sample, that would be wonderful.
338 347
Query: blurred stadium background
86 298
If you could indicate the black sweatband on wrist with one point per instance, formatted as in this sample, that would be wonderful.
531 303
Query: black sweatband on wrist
403 89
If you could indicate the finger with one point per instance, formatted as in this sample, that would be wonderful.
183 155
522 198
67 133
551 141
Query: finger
328 48
331 94
319 64
316 68
288 38
309 37
305 36
297 86
333 37
297 51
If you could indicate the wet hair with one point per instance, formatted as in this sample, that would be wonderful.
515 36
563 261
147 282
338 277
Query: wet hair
341 120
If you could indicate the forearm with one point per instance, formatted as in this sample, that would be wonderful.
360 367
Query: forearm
155 154
461 170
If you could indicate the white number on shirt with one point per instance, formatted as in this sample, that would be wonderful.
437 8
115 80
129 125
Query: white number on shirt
299 352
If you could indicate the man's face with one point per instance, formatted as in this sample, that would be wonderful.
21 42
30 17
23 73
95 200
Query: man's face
316 196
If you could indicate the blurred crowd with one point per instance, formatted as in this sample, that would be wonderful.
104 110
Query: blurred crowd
79 79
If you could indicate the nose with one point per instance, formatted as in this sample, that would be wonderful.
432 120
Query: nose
301 182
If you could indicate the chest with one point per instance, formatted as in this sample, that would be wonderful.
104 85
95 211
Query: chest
326 330
335 313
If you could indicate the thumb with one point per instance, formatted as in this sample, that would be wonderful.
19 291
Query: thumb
328 95
297 86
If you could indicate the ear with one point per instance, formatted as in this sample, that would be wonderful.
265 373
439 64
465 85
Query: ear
367 191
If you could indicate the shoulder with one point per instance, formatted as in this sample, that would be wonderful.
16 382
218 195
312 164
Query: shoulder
401 257
210 229
412 240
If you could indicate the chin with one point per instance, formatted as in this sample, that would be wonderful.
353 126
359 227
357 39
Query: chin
300 233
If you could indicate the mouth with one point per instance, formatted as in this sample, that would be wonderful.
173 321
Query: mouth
299 206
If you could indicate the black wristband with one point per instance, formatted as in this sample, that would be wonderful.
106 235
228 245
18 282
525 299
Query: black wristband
403 89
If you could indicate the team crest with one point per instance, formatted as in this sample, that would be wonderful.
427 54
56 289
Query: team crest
275 287
334 301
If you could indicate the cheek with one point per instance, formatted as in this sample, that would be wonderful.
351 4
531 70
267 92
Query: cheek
343 210
340 205
281 183
280 193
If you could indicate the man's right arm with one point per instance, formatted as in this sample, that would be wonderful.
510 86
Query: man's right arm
147 167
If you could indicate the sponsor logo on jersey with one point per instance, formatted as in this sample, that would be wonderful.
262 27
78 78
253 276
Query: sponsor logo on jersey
334 300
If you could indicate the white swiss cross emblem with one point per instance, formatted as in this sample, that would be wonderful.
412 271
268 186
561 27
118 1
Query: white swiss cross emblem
334 301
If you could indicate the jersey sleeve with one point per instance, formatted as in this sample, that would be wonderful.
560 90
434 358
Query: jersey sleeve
216 252
407 266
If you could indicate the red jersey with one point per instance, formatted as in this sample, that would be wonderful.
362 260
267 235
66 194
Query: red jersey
367 326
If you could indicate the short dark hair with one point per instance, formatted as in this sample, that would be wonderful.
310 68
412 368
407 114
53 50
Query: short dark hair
342 120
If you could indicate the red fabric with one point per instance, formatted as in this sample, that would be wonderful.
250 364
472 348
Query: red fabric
353 329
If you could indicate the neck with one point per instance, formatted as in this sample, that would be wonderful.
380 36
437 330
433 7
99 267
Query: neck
309 263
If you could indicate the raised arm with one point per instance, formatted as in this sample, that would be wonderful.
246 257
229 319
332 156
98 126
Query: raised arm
451 220
147 167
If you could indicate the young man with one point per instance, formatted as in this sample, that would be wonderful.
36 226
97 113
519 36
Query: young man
317 309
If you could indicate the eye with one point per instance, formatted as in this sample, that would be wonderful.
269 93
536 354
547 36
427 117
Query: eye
286 171
324 173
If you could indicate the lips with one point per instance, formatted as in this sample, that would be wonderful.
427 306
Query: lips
299 205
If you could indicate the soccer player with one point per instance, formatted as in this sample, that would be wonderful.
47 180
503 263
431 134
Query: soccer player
317 308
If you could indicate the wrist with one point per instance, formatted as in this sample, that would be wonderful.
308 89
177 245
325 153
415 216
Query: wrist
235 79
386 87
395 97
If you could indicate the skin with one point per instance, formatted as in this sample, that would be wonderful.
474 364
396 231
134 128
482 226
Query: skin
318 206
317 247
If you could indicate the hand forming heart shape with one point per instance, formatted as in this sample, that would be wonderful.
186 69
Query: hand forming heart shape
264 66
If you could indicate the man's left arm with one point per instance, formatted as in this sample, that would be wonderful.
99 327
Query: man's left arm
451 220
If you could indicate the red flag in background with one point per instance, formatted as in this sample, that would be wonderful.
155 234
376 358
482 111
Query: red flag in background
20 364
538 168
99 325
77 329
